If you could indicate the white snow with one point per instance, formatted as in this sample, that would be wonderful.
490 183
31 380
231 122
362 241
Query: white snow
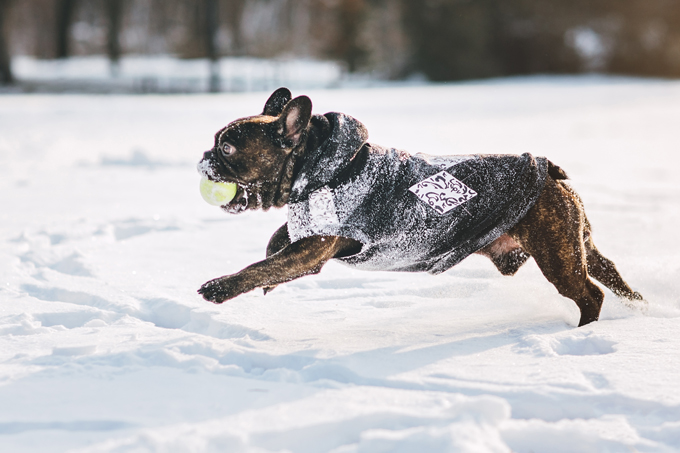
104 239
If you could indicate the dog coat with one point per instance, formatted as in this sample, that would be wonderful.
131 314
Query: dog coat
410 212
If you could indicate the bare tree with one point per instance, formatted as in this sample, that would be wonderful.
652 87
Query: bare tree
65 12
6 77
211 17
232 12
351 16
114 12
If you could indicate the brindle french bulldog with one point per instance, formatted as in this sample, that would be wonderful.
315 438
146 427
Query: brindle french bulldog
263 155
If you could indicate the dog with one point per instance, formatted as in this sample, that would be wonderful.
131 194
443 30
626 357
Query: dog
378 208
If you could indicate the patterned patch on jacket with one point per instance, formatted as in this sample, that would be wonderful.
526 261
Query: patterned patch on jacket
442 192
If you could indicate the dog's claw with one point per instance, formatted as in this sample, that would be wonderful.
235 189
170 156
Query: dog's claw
208 292
268 289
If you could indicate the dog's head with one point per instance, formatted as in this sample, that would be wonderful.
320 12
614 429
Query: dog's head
258 152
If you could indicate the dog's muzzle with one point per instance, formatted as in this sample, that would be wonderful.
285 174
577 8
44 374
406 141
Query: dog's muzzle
209 169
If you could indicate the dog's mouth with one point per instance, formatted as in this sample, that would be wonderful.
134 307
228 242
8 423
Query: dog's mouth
239 203
251 196
245 193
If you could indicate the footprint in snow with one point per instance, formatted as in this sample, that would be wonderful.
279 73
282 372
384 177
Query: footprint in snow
126 229
75 319
72 297
70 265
597 380
173 315
22 324
43 250
572 344
161 312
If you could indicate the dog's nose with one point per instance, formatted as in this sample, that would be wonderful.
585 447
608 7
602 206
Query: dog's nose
204 166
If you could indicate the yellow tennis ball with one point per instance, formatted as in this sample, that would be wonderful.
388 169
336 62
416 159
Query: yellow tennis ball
217 193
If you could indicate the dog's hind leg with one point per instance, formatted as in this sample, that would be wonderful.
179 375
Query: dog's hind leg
506 254
279 240
604 271
552 232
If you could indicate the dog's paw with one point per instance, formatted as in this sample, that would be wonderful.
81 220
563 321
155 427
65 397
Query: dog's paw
220 289
637 302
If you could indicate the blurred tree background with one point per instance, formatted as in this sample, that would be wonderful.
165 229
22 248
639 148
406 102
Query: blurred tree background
388 39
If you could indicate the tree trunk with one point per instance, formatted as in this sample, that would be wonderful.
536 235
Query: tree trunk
6 76
350 16
211 26
233 15
114 12
65 10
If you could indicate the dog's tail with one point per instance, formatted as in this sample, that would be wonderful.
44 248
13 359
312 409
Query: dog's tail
556 172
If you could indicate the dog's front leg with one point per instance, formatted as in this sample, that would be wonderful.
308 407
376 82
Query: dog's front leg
279 241
304 257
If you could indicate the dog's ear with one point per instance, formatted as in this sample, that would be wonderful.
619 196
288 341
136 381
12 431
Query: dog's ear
277 101
294 119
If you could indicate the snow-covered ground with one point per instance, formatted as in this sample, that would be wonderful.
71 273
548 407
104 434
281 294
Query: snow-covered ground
167 74
106 347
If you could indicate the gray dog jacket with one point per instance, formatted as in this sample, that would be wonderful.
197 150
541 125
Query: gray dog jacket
410 212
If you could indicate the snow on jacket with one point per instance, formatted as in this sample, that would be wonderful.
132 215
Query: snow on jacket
410 212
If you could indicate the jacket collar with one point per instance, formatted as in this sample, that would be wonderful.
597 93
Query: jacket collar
323 163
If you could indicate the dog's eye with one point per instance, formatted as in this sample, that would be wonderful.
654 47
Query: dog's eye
227 149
